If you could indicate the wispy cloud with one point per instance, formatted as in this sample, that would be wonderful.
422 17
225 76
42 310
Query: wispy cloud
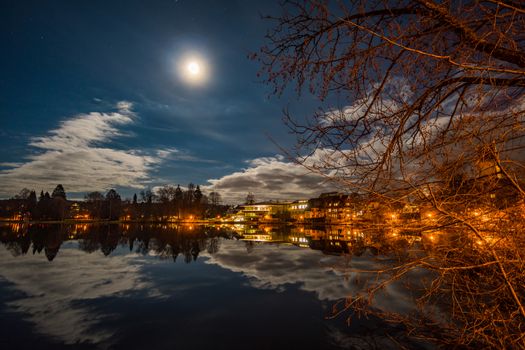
10 164
270 178
77 154
182 155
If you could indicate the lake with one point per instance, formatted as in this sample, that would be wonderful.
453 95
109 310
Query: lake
162 286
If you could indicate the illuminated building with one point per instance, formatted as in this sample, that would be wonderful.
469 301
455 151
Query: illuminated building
299 210
266 211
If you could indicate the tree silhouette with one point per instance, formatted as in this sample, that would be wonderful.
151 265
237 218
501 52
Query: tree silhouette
147 196
189 195
250 198
197 194
178 199
59 192
215 198
166 194
113 195
178 194
94 196
23 194
113 208
95 202
32 202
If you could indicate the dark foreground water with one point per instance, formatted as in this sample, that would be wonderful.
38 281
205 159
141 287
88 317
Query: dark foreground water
171 287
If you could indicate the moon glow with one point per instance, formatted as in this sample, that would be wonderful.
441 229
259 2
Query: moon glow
193 70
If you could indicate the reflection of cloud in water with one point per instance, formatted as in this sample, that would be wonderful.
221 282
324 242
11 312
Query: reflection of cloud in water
55 291
272 266
275 267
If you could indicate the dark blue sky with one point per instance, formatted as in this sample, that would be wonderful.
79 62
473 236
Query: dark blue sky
63 62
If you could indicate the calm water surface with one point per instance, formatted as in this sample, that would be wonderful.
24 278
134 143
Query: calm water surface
167 287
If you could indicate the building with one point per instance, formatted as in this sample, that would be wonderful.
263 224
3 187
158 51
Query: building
334 207
260 212
299 210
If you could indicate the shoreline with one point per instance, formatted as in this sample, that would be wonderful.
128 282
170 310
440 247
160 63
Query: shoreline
417 227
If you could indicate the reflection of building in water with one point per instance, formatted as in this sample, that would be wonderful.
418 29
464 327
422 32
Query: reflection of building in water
334 238
258 237
170 241
261 233
299 236
337 240
355 240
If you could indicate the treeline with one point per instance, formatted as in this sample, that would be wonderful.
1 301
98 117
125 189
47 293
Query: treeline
166 203
181 241
26 205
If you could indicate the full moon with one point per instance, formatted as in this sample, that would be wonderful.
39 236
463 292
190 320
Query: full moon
193 70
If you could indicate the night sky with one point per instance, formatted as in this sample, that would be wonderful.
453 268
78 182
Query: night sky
92 96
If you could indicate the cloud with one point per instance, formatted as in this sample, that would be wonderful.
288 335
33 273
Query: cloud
355 162
77 155
396 95
10 164
270 178
450 133
125 106
56 305
182 155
